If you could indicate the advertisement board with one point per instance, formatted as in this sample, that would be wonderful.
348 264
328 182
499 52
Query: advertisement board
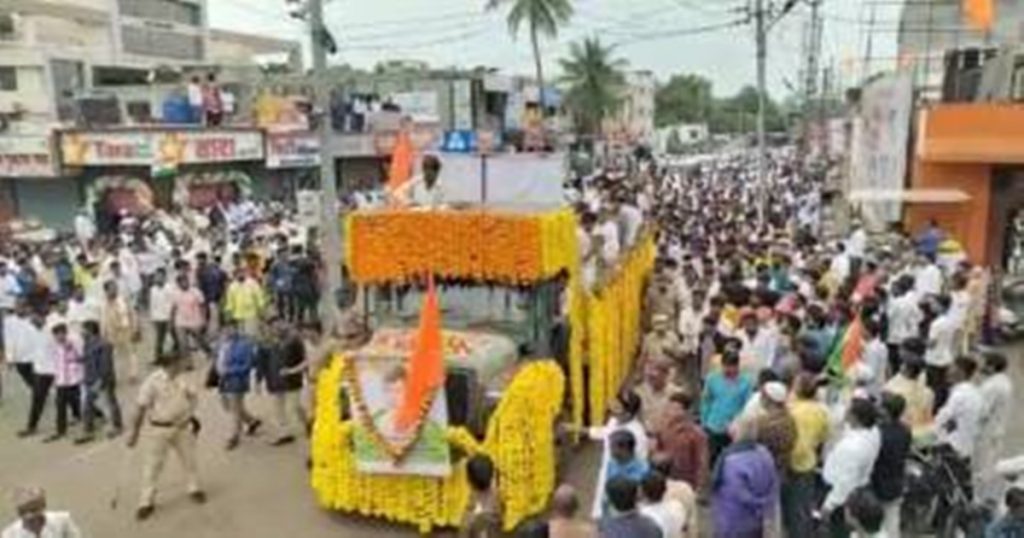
293 150
878 158
159 148
26 156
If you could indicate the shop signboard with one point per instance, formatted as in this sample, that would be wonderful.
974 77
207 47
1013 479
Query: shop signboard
159 148
293 150
459 141
26 156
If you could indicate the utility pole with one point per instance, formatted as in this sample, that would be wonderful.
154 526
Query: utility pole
762 162
330 226
812 61
869 46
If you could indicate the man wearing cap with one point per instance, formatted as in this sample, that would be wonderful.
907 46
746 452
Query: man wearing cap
35 521
662 343
167 402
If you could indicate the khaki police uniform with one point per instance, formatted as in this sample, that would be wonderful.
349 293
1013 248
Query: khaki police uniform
169 404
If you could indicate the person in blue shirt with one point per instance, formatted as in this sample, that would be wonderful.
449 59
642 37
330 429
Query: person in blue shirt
930 239
725 393
1012 524
236 359
624 461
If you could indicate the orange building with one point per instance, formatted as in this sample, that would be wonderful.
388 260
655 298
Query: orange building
978 150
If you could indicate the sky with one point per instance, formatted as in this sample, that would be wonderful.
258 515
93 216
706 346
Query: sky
664 36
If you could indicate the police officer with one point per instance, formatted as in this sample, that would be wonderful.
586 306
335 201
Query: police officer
167 404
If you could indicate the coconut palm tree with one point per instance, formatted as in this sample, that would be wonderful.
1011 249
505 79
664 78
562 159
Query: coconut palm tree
595 82
544 18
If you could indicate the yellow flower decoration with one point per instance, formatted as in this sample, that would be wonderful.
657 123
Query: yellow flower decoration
520 440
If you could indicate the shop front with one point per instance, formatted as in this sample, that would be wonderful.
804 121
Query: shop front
30 185
292 164
134 171
976 149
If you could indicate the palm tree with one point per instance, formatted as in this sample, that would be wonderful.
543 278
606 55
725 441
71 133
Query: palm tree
544 18
595 82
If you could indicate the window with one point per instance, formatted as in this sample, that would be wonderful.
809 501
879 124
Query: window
8 79
178 11
161 43
6 26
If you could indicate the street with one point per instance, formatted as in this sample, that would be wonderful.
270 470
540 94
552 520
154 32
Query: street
256 491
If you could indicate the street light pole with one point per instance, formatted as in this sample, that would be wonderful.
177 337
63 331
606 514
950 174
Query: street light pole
762 164
330 225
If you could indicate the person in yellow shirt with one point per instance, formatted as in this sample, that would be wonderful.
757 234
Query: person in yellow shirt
911 386
812 430
245 302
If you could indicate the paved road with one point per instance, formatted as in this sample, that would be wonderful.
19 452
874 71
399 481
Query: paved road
257 491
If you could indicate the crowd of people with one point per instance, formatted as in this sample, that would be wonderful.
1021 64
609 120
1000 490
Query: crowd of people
233 294
783 380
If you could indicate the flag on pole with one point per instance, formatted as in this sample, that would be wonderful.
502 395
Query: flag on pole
401 161
426 365
979 14
847 352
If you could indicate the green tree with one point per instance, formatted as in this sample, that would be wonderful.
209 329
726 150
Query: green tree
594 82
684 99
544 18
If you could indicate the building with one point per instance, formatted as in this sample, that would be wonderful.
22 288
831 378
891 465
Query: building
117 60
969 162
930 28
634 122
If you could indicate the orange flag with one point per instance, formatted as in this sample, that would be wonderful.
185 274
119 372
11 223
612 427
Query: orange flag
426 364
979 13
401 161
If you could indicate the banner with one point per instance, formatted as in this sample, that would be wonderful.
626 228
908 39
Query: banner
163 149
293 150
878 159
26 156
378 386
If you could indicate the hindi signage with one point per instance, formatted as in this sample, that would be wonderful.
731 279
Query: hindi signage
293 150
159 148
26 156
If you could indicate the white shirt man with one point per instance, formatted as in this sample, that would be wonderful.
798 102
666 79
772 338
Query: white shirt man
928 280
37 350
876 361
417 193
9 290
857 244
57 525
959 420
941 341
848 466
668 514
840 266
15 328
996 401
85 229
904 318
80 311
610 247
160 301
632 219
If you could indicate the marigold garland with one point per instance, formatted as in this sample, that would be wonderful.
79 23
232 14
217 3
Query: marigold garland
520 439
489 246
613 326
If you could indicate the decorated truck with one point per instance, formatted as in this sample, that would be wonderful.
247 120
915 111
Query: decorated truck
523 346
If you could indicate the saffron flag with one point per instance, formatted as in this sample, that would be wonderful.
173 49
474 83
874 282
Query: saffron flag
979 13
401 161
426 365
847 352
